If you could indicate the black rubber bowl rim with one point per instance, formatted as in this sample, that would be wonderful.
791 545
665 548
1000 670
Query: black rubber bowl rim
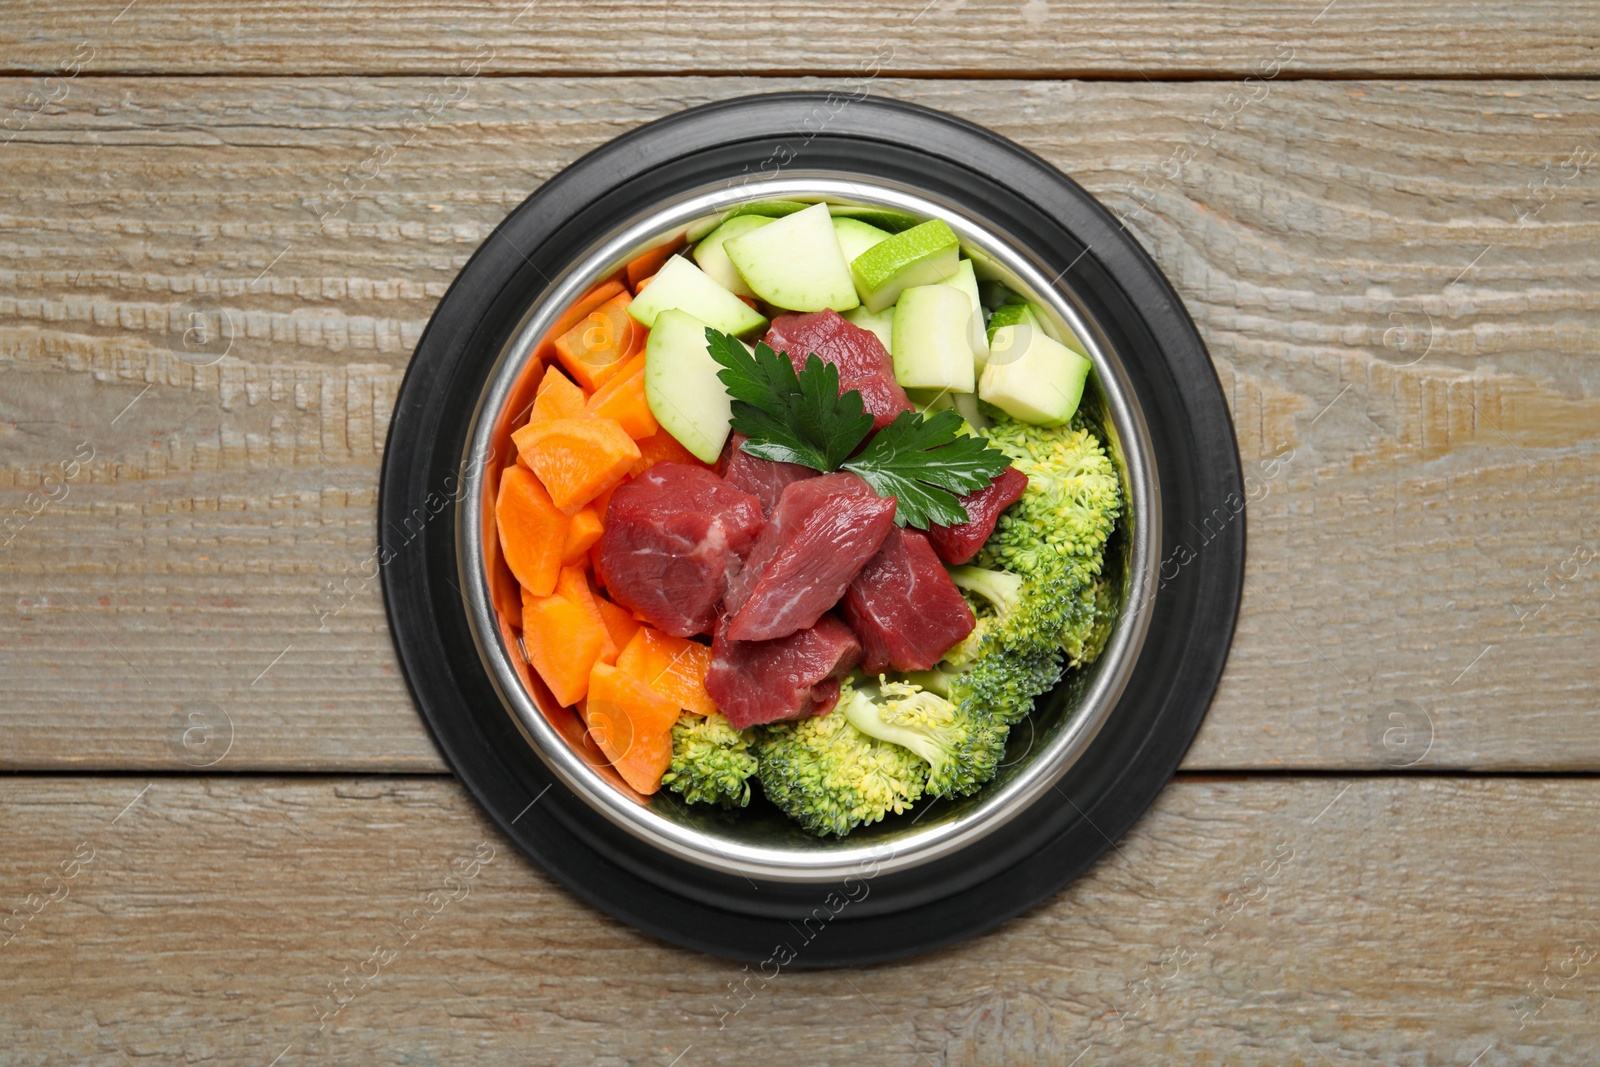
866 919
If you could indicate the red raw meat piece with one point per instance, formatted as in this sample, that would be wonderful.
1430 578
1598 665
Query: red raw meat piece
958 544
672 536
822 532
904 607
864 364
761 478
794 677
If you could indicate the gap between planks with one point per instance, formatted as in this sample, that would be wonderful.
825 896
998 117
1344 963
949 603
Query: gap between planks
1177 76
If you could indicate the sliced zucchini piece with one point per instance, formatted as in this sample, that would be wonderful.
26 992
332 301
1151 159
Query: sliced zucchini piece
772 209
855 236
713 258
932 339
884 218
682 285
926 254
795 262
681 384
964 279
880 323
1032 377
1010 315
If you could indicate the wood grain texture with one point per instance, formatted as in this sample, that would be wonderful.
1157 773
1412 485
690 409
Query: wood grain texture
1352 253
940 37
1281 921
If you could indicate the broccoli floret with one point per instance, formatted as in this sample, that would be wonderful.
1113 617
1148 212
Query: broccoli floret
830 777
1006 684
962 745
1012 615
1036 587
711 761
1093 641
1053 538
1001 685
1052 611
1073 497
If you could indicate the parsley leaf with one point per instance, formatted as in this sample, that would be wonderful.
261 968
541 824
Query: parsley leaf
925 462
789 418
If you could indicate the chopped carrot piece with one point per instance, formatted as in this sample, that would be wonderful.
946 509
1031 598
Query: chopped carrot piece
581 307
675 667
660 447
619 621
506 593
526 603
557 398
602 500
632 658
644 267
581 536
519 399
533 531
574 585
576 459
563 642
622 398
601 343
632 725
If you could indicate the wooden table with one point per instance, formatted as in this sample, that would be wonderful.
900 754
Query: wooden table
1381 848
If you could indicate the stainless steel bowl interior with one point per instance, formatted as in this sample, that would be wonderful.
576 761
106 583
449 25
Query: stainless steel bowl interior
1041 750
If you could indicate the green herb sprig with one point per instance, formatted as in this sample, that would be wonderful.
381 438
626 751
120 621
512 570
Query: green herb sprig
924 462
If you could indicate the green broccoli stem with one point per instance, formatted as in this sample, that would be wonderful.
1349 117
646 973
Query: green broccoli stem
1001 589
937 680
866 715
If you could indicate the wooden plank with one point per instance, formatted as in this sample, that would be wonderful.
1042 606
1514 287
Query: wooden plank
1275 921
945 38
1420 511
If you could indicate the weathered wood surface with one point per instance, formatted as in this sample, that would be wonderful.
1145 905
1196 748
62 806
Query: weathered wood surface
945 38
1394 921
1352 252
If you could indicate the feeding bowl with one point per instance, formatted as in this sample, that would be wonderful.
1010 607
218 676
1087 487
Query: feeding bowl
749 883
